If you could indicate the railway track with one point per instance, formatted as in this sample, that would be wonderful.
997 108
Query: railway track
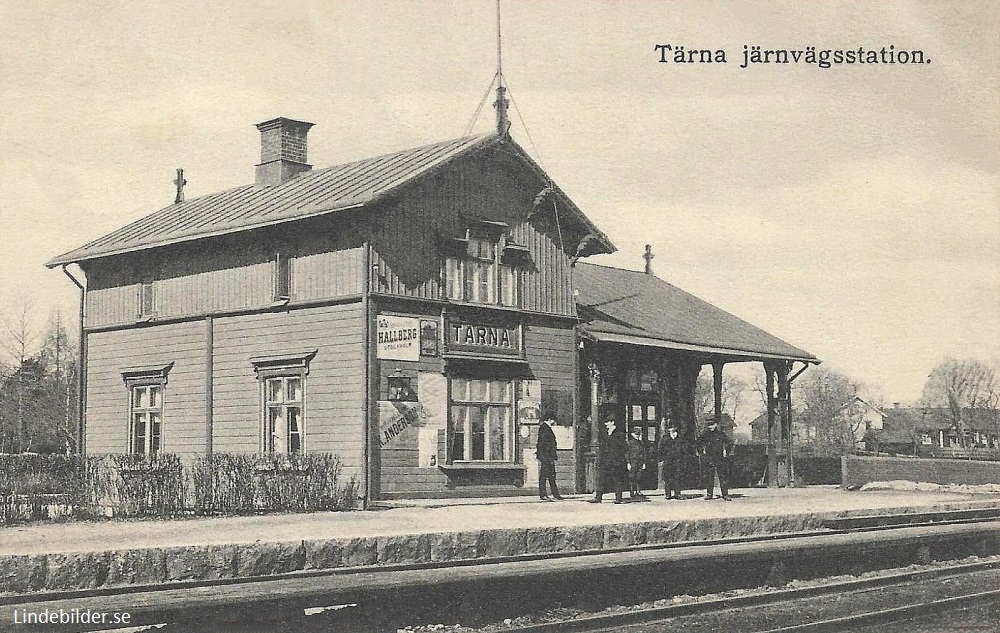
758 612
479 591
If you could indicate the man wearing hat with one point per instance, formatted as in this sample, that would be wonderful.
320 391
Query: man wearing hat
671 453
611 461
636 464
715 449
545 451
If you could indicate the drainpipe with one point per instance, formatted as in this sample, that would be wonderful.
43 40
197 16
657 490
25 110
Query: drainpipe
368 471
81 368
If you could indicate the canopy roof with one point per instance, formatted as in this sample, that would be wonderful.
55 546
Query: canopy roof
624 306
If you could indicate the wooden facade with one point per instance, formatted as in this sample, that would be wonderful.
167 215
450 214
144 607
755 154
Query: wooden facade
415 314
201 317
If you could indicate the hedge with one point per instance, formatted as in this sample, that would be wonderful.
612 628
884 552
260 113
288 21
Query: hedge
39 487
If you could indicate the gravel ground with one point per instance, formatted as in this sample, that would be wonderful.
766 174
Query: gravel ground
793 614
901 485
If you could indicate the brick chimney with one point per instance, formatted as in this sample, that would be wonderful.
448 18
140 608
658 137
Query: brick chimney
282 150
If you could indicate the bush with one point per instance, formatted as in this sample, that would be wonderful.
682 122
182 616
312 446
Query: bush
38 487
35 487
136 485
238 484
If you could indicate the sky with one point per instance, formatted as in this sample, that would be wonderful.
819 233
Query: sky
853 211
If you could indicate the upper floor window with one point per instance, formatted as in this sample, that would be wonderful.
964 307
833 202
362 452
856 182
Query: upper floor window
480 274
146 297
282 276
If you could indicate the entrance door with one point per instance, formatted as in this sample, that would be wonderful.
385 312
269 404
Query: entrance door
643 414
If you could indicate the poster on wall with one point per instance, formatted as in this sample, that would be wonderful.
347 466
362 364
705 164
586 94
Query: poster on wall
428 338
398 338
530 465
433 390
565 437
529 402
427 448
394 418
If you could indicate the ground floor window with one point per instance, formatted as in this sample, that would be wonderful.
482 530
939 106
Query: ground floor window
283 421
146 386
282 379
482 420
145 419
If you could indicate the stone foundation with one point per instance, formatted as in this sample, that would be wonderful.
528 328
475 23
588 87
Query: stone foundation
207 563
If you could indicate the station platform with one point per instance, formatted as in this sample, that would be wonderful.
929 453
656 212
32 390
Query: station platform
74 556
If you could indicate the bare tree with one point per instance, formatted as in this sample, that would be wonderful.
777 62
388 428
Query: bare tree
734 390
962 388
19 341
38 388
824 396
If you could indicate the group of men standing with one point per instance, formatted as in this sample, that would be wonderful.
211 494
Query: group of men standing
622 461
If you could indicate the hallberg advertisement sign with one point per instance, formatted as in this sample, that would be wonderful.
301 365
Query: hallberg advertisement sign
398 338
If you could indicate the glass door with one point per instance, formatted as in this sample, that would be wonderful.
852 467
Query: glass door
643 414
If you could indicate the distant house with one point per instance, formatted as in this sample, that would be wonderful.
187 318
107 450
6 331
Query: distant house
857 414
932 432
863 417
758 430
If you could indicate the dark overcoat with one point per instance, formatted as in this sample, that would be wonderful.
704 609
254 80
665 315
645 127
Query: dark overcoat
545 447
614 452
714 445
671 449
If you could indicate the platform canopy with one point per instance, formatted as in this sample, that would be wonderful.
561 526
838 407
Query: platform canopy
635 308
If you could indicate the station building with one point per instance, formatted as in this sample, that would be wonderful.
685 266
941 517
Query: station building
414 313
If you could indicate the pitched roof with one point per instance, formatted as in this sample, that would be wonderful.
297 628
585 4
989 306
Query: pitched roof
308 194
939 418
633 307
870 406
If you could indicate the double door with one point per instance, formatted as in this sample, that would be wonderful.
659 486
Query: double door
644 414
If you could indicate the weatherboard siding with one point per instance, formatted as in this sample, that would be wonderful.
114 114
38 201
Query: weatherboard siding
399 469
112 293
329 274
406 232
228 274
205 282
333 389
111 353
549 350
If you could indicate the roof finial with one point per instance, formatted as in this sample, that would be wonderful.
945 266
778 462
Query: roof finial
180 182
503 124
648 256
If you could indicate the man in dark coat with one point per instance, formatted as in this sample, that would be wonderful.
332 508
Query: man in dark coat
545 451
715 449
611 469
636 464
671 453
